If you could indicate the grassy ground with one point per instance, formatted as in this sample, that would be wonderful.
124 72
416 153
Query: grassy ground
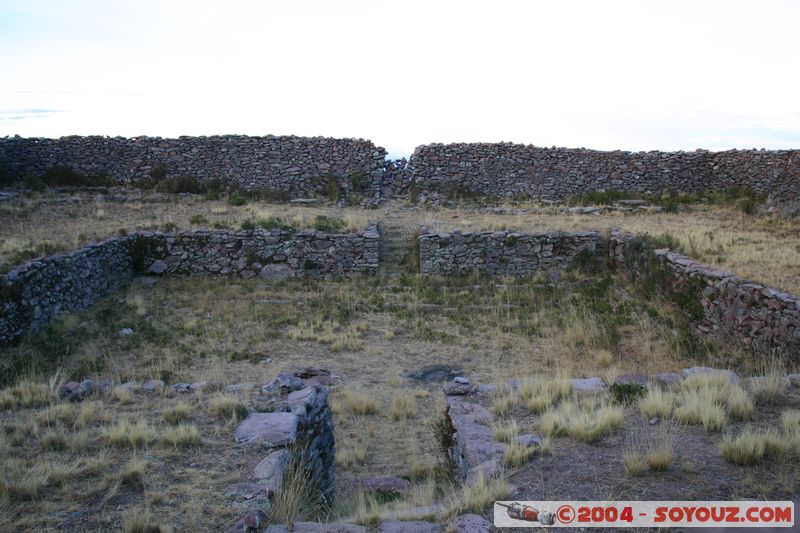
761 247
375 333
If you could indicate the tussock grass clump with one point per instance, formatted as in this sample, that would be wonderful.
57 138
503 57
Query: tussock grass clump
175 414
507 432
227 408
708 399
86 414
503 402
657 403
22 481
351 454
772 389
123 395
585 420
402 407
302 496
127 434
635 463
182 436
752 446
27 394
60 413
518 454
52 441
478 496
359 402
650 448
138 522
536 395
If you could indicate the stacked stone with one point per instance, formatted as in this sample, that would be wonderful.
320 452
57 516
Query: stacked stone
299 166
508 170
36 292
270 254
39 290
501 253
748 312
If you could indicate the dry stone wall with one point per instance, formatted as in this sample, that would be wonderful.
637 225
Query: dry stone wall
732 307
501 253
511 170
299 166
36 292
270 254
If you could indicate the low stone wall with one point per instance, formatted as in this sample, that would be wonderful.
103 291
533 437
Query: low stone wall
36 292
270 254
508 170
732 307
299 166
500 253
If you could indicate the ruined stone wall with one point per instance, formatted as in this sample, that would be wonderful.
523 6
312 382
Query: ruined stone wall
36 292
509 170
731 307
270 254
502 253
39 290
299 166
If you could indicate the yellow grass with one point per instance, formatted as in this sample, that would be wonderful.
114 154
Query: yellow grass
584 420
657 403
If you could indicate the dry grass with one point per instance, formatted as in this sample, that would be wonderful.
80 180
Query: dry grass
507 432
708 399
52 441
301 497
772 389
538 394
227 408
650 448
583 419
27 394
130 434
518 454
351 454
359 402
504 399
138 522
752 446
175 414
657 403
182 436
123 394
477 497
402 406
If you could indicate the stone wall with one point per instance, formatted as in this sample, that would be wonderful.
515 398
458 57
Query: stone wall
730 307
36 292
299 166
270 254
508 170
39 290
501 253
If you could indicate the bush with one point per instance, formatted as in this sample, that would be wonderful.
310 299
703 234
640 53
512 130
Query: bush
236 199
329 224
627 393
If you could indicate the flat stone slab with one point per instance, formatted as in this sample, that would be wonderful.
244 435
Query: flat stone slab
634 378
416 526
470 523
593 384
270 430
697 370
667 379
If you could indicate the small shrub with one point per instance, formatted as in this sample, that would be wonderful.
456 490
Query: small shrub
329 224
198 219
627 393
236 199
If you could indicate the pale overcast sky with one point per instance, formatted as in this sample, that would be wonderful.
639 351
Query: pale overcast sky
613 74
